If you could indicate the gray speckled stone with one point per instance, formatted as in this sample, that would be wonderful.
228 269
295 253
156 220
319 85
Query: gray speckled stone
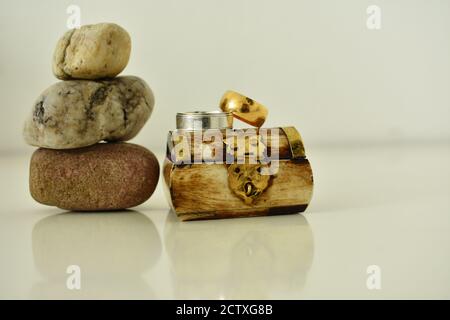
79 113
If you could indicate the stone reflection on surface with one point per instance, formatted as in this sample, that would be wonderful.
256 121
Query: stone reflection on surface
113 250
247 258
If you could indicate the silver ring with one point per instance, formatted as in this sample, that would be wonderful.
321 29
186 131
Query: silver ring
199 120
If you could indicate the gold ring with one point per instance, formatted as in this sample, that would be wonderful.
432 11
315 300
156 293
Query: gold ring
244 108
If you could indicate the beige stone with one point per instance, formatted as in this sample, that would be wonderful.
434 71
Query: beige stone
79 113
92 52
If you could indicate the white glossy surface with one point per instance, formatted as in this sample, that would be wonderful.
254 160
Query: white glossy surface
387 206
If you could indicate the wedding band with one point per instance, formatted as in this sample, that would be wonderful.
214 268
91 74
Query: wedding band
244 108
199 120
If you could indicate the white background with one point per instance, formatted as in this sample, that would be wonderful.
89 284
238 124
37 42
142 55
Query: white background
373 108
314 64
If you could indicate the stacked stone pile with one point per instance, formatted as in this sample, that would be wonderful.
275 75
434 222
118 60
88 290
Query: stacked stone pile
80 123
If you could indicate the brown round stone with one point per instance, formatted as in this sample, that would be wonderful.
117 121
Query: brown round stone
105 176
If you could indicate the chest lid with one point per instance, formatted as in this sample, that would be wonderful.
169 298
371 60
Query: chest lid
234 145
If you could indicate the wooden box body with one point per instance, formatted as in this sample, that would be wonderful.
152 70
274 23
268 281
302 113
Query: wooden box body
212 190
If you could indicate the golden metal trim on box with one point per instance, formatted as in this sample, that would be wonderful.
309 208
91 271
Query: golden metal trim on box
295 142
246 181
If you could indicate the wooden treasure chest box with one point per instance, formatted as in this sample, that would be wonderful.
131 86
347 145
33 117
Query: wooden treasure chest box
213 171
